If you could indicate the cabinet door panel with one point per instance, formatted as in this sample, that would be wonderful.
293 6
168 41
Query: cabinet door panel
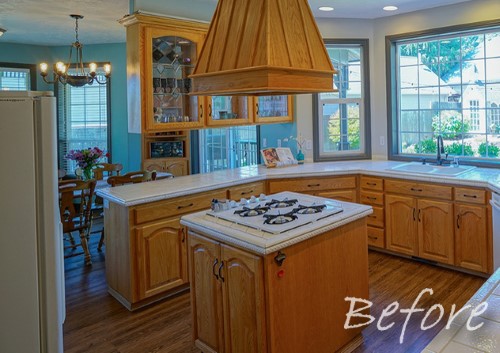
162 258
243 297
435 231
471 237
401 225
206 294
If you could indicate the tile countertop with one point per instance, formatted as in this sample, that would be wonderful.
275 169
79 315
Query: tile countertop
135 194
458 339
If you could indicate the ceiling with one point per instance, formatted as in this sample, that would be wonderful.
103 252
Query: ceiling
47 22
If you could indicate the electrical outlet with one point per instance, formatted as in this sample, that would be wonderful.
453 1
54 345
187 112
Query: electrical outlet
309 144
382 140
264 142
278 143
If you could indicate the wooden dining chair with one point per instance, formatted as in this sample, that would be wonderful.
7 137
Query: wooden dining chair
107 169
61 173
75 206
132 178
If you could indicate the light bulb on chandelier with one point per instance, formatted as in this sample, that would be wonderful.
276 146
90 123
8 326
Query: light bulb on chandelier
75 76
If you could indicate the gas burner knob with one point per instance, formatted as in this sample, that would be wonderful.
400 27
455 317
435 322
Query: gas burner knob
253 199
243 201
262 197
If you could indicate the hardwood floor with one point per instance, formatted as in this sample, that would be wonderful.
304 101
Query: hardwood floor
97 323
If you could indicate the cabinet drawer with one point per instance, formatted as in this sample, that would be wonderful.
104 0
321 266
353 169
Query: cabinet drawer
470 195
177 206
341 195
247 190
371 183
376 219
376 237
371 198
312 184
419 189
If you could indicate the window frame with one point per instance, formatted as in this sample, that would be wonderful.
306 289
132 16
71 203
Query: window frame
30 67
365 124
391 42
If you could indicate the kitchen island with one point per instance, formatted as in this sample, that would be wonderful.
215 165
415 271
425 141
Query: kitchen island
273 276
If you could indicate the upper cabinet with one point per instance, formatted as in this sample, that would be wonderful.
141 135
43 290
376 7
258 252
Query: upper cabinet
161 54
229 110
273 109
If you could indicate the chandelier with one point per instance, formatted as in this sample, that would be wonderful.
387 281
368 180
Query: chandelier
76 75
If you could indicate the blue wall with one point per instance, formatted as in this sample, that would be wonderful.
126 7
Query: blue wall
125 147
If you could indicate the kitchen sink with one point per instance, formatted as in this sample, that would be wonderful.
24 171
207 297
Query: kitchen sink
414 167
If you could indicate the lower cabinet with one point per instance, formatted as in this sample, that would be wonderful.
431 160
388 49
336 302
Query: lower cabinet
175 166
228 298
161 256
420 227
471 237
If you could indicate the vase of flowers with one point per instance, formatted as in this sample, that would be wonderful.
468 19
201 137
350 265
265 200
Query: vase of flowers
87 159
299 140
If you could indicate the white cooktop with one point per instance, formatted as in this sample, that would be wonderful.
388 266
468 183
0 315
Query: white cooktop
331 209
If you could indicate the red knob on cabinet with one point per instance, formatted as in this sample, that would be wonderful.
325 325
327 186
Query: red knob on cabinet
281 273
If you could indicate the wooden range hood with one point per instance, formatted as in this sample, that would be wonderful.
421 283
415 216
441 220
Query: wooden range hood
262 47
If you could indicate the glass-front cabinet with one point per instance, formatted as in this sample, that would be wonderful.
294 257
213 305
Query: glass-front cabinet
168 103
229 110
273 109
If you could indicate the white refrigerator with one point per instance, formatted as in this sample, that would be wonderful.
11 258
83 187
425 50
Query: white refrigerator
32 306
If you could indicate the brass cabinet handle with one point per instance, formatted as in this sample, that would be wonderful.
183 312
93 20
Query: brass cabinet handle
414 189
419 216
257 107
210 110
201 111
458 221
183 232
220 269
247 192
414 218
213 268
179 207
371 184
311 185
372 237
371 198
472 196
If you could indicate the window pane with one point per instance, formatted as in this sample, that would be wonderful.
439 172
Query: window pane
13 79
449 85
225 148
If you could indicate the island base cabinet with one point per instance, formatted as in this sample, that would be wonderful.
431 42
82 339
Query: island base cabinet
227 298
161 256
247 303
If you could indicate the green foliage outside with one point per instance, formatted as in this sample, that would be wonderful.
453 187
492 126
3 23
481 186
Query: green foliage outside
455 149
492 150
353 132
426 146
451 125
449 53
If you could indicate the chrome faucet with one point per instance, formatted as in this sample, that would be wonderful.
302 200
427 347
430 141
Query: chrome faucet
440 149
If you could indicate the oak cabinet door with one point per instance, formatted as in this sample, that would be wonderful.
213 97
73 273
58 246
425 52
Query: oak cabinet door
435 231
243 298
206 294
471 237
161 257
177 168
401 225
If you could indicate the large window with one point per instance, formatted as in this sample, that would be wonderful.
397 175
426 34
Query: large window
83 119
342 125
17 77
446 84
226 148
